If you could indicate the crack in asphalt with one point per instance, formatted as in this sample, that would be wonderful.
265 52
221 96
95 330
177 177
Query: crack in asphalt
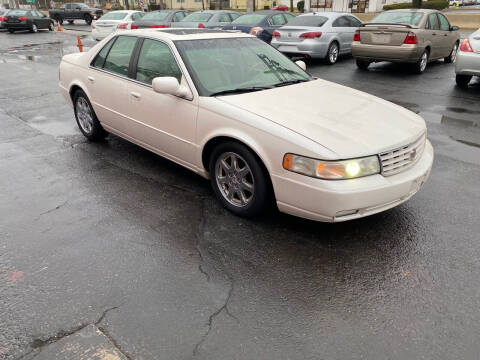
53 209
38 344
224 307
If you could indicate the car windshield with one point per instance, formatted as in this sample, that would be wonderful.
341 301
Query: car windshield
198 17
308 20
114 16
399 17
156 15
249 19
17 13
236 64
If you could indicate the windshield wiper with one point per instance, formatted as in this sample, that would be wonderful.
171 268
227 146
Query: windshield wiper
241 90
290 82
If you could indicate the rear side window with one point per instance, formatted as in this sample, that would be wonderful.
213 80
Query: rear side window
234 16
277 19
432 23
308 20
137 16
288 16
178 16
156 60
354 22
444 24
100 58
223 18
341 22
118 59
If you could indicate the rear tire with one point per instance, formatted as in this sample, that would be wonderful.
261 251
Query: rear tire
11 31
242 189
70 21
50 27
34 28
87 120
420 66
362 64
453 55
88 19
463 80
332 53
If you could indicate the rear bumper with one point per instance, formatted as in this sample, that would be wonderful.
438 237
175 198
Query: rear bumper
323 200
402 53
307 47
96 34
467 64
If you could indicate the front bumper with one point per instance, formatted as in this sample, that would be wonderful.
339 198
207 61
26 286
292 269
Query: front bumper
401 53
324 200
311 48
467 63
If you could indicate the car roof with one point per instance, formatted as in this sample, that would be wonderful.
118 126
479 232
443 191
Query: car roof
174 34
265 12
213 11
329 14
425 11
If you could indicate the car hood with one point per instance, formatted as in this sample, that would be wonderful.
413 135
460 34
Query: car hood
346 121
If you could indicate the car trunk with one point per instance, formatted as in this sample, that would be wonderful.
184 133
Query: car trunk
392 35
292 33
105 25
148 24
189 24
13 19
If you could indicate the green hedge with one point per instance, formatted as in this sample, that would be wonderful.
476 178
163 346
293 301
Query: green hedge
431 4
301 6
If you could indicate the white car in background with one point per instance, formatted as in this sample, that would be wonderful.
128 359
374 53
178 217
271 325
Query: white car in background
233 109
468 60
113 21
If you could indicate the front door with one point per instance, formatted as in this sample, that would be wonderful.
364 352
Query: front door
433 33
164 122
448 37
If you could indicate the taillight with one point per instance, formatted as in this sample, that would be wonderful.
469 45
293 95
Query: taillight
356 36
157 26
276 34
466 46
310 35
411 38
122 26
22 18
133 27
201 26
3 18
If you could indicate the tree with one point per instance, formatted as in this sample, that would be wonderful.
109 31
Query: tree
417 4
291 5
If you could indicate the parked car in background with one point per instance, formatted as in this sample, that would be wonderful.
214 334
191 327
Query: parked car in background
3 14
262 24
233 109
323 35
207 19
159 19
31 20
75 11
114 20
280 8
415 36
468 60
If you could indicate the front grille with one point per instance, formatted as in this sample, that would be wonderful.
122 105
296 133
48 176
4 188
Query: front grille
402 158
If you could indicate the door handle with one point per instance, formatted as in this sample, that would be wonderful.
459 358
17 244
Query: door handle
136 95
91 79
434 33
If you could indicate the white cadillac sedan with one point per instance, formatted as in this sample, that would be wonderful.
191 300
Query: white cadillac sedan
113 21
233 109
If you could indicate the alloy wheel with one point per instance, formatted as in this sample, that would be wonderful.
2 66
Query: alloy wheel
34 28
234 179
84 114
333 53
453 56
423 61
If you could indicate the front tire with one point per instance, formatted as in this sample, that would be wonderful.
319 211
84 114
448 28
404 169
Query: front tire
50 27
420 66
453 55
11 31
332 53
463 80
238 179
362 64
87 121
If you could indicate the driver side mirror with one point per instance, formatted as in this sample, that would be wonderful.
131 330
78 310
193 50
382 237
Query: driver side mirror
454 28
169 85
301 64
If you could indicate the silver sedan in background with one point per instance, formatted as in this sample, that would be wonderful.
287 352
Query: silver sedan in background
207 19
323 35
468 60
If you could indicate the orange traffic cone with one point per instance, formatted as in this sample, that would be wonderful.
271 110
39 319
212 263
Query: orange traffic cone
79 44
59 28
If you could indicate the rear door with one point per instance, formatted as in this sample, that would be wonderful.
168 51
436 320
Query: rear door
342 27
448 37
434 35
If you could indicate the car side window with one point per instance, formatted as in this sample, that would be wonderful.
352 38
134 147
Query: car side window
156 60
444 24
288 17
68 6
223 18
102 54
233 16
354 22
137 16
277 19
341 22
178 16
432 23
118 59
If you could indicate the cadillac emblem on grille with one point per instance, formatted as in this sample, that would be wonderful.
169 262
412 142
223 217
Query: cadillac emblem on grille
413 154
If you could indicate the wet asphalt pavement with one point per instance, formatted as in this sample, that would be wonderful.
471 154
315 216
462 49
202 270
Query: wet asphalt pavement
107 241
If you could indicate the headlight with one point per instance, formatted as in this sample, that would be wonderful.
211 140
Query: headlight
332 170
256 30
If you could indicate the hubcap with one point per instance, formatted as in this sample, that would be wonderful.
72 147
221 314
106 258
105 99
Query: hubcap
34 28
84 115
333 53
234 179
423 61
